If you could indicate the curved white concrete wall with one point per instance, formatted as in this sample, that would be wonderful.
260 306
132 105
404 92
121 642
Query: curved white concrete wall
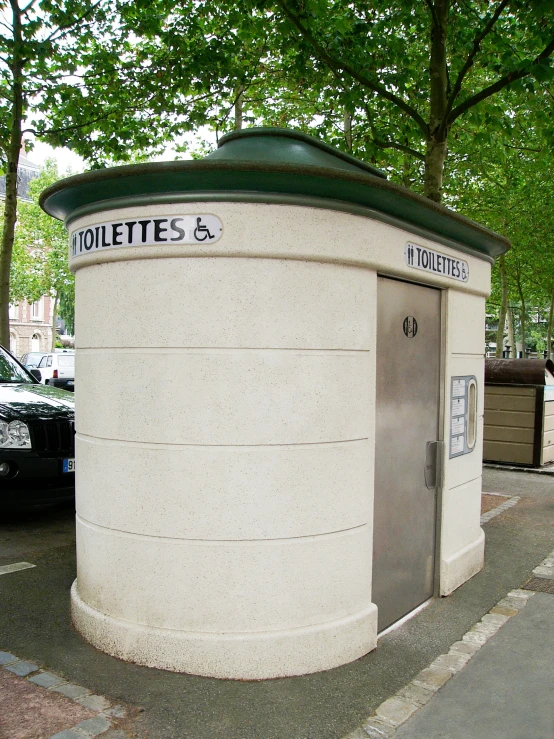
225 411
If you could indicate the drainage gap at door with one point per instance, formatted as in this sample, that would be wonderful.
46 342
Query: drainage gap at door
539 585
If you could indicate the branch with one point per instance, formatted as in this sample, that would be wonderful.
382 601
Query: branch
91 121
433 11
63 129
62 30
500 84
472 54
399 147
27 8
523 148
336 66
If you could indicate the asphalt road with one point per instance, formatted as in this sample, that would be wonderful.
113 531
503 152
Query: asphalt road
35 625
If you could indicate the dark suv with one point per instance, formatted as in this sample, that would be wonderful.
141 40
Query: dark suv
37 429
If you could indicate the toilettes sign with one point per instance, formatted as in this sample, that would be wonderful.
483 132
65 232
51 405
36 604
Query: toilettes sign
171 229
428 260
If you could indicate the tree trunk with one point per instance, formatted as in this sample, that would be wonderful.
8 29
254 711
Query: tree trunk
348 130
511 333
10 203
54 318
239 107
503 307
407 170
522 320
435 153
549 328
435 156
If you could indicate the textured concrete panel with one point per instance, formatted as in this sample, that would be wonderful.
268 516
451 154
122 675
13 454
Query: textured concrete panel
224 586
273 491
461 516
466 322
264 303
223 396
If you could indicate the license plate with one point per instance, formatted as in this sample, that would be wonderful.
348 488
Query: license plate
69 465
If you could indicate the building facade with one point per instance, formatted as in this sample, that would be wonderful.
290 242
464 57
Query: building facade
31 326
30 323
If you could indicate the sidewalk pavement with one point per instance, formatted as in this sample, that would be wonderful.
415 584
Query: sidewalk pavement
506 690
476 665
497 682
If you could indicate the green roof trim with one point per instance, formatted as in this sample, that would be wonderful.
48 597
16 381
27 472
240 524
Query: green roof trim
270 165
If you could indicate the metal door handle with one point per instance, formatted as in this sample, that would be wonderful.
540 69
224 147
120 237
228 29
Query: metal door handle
433 464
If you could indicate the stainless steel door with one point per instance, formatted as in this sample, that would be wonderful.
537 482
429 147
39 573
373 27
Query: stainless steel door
407 416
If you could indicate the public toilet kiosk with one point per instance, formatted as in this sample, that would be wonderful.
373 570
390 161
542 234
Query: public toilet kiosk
279 395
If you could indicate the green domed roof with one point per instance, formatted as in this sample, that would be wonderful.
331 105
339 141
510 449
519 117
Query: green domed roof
271 165
285 147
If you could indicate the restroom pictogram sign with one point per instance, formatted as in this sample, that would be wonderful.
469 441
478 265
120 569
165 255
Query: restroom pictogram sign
410 327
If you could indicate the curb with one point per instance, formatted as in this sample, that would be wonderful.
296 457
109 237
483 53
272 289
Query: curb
549 470
393 712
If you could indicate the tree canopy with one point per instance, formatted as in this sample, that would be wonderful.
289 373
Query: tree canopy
39 265
452 98
373 77
70 75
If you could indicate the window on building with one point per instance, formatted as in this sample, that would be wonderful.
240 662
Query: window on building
13 312
37 310
35 343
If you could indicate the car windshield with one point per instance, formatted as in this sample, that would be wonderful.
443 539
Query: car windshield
10 371
32 359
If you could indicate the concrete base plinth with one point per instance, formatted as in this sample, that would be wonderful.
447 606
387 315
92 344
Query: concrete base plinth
244 656
462 565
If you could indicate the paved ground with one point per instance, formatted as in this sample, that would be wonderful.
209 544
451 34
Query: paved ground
34 625
505 691
26 711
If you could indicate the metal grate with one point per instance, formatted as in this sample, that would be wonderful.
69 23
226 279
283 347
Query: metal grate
539 585
53 438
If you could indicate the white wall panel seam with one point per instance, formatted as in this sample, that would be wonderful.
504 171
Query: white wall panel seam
463 484
218 542
239 635
162 445
218 350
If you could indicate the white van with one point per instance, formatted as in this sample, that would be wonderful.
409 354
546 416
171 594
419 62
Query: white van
58 369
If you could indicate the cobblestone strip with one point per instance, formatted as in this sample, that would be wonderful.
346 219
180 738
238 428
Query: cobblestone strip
49 681
546 568
407 701
486 517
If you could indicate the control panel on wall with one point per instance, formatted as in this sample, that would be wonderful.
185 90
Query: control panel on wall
463 415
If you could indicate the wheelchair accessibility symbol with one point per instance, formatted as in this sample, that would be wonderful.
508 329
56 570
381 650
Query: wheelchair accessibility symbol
202 232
